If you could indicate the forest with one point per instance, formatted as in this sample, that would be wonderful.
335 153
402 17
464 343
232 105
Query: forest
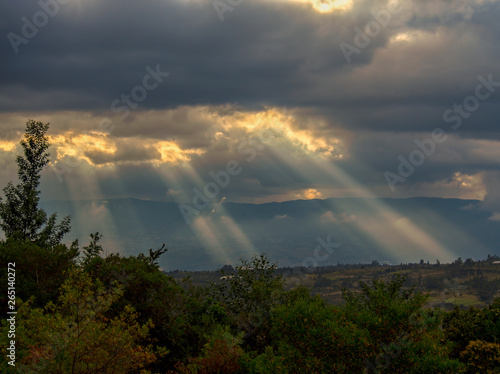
80 311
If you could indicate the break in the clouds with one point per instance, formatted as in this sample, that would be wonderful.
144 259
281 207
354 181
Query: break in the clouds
312 99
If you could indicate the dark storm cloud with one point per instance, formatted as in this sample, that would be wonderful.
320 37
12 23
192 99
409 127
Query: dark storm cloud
97 51
188 127
381 152
90 53
264 53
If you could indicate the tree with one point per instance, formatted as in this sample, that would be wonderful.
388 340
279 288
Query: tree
94 249
40 271
248 297
402 336
154 255
482 357
312 337
461 327
221 354
77 334
20 216
177 317
469 262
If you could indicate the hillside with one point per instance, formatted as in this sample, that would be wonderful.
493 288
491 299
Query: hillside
462 283
387 230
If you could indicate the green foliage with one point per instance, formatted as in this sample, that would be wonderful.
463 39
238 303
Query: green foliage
461 327
312 337
39 269
154 255
248 297
93 249
321 281
175 311
482 357
381 329
484 288
402 336
76 336
20 216
385 309
266 363
221 354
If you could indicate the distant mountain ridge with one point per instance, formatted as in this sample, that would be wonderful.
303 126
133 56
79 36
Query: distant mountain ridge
289 232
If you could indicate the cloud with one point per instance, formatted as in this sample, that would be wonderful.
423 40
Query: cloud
127 151
7 146
292 58
492 182
282 216
495 217
331 217
272 68
310 194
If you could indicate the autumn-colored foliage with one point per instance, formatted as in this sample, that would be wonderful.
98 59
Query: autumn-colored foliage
221 355
76 335
482 357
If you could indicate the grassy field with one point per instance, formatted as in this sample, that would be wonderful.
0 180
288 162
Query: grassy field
464 284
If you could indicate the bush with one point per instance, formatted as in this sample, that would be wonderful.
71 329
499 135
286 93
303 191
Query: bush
221 355
75 335
482 357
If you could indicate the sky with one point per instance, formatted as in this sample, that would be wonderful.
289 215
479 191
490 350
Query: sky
256 101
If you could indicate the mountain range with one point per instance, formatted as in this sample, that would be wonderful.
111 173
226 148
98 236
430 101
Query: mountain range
292 233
